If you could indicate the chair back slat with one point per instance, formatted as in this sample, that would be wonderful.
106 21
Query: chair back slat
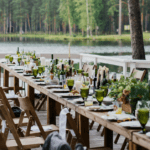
138 74
26 105
6 116
4 101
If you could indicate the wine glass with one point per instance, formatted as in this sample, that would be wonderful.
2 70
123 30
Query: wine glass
7 57
143 117
99 94
40 70
84 92
79 71
35 72
70 84
19 60
11 59
105 88
43 69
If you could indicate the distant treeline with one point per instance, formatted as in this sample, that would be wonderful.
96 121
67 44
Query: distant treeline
86 17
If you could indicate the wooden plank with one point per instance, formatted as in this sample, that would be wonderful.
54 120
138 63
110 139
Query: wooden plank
141 140
0 75
108 138
51 111
31 94
6 79
84 129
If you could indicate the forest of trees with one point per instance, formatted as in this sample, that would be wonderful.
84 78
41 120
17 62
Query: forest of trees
86 17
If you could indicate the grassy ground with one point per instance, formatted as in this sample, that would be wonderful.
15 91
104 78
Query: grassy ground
124 37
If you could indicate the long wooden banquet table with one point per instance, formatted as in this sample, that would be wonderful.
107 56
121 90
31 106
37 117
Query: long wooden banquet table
54 101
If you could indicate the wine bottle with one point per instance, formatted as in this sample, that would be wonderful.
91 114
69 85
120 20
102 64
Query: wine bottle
56 61
94 80
104 80
52 56
62 76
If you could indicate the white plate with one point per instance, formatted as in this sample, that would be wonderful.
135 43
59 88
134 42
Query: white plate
113 116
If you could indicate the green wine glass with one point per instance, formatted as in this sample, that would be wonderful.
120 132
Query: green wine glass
79 71
86 74
84 92
35 72
99 94
143 117
43 69
105 88
40 70
70 84
11 59
7 57
19 60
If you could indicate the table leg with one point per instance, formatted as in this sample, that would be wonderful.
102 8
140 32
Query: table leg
16 85
108 138
0 75
51 111
6 79
84 130
31 94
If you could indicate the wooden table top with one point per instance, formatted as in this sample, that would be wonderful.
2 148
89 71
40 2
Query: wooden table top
95 116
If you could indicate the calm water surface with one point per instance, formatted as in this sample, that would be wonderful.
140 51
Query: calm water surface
9 45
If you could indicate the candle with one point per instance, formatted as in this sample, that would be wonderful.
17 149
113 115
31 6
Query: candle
43 61
78 85
69 50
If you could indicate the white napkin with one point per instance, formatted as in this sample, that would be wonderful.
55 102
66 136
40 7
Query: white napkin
11 95
62 123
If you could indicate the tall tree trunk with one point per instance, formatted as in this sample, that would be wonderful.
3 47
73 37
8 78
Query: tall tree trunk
40 23
146 21
20 27
54 23
25 25
4 22
10 22
87 18
120 16
91 20
70 30
136 30
29 22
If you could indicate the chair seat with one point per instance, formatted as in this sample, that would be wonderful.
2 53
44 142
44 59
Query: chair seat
24 122
38 133
27 143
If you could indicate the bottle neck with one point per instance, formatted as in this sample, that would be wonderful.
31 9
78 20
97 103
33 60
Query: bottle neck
52 56
62 68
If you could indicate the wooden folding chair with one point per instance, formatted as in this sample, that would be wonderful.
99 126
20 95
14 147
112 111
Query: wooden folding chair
23 143
5 101
27 107
138 74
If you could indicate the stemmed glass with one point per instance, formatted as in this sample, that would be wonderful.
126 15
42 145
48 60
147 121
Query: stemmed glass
143 117
11 59
35 72
19 60
40 70
99 94
105 88
43 69
70 84
7 57
84 92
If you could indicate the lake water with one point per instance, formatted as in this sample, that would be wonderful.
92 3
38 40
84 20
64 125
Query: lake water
114 49
9 45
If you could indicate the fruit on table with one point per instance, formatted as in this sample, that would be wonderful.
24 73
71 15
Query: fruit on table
128 88
120 89
119 95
